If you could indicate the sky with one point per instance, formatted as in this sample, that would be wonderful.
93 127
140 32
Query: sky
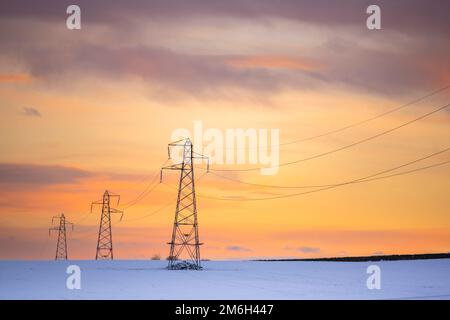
87 110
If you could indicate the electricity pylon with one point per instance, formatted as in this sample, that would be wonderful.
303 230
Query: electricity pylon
185 226
61 244
104 242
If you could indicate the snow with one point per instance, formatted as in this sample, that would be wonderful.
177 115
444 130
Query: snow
131 279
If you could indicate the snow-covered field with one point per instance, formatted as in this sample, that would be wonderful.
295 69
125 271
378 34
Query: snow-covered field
419 279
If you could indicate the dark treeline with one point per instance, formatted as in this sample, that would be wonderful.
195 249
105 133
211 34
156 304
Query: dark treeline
392 257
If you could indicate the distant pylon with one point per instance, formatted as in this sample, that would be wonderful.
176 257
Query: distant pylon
185 227
61 244
104 242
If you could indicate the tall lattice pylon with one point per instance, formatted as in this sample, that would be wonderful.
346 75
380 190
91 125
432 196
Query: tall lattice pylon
185 237
104 242
61 244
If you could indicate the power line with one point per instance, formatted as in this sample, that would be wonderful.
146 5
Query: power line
152 213
162 207
343 147
355 124
165 205
369 119
406 172
149 189
83 235
197 179
331 187
320 185
364 179
82 218
144 194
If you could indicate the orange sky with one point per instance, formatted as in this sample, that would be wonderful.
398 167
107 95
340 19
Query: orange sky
88 110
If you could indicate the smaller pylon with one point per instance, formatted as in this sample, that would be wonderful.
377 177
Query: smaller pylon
61 244
104 242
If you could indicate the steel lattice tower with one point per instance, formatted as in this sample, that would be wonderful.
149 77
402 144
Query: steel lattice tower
104 242
61 244
185 227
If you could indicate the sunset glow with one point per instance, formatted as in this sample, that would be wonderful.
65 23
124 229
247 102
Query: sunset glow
84 111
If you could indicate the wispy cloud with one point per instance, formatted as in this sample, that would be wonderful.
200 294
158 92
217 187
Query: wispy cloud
14 173
420 16
36 174
237 248
272 62
308 249
18 78
31 112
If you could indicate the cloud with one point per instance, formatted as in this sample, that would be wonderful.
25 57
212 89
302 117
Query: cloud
304 249
18 78
237 248
165 71
382 70
409 16
420 63
308 249
161 68
31 112
272 62
14 173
